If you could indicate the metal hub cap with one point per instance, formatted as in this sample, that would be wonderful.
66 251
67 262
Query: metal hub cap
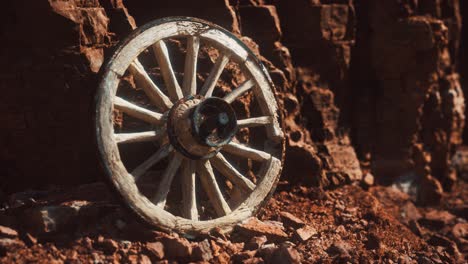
199 127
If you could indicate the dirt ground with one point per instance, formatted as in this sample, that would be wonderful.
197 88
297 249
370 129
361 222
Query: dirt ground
298 225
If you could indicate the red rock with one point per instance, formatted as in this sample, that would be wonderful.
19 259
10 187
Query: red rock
254 227
155 250
144 259
435 219
460 230
175 247
340 249
368 180
291 220
243 256
256 242
8 244
7 232
410 212
306 232
430 191
202 251
108 246
286 255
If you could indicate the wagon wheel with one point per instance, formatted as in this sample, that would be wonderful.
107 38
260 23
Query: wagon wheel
194 131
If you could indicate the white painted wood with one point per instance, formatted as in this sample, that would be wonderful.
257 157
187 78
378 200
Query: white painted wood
163 152
147 136
211 187
246 152
190 70
255 121
189 196
164 186
234 94
218 68
162 56
225 168
137 111
157 97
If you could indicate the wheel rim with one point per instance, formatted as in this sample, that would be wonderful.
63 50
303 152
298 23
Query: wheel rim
175 111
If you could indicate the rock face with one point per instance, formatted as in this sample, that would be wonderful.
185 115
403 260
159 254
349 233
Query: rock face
375 80
409 106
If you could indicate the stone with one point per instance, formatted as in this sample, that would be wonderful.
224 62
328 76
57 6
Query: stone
6 232
436 220
289 219
53 218
339 249
410 212
305 233
430 191
243 256
266 252
255 242
368 180
286 255
202 251
108 246
254 227
175 247
9 244
460 231
155 250
144 259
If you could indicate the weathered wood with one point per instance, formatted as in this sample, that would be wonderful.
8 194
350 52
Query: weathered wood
153 92
163 152
189 196
148 136
162 56
118 175
255 121
137 111
224 167
164 186
234 94
264 94
246 152
218 68
211 188
190 71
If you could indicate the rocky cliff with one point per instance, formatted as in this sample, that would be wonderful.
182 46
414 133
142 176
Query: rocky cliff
367 88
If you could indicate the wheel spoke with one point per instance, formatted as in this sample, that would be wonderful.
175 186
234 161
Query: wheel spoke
164 186
211 187
137 111
190 71
255 121
163 152
210 83
189 197
151 89
223 166
244 87
162 56
247 152
147 136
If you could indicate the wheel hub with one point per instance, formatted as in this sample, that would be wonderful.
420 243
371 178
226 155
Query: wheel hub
199 127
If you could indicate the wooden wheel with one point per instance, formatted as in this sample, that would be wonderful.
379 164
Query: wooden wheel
197 154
